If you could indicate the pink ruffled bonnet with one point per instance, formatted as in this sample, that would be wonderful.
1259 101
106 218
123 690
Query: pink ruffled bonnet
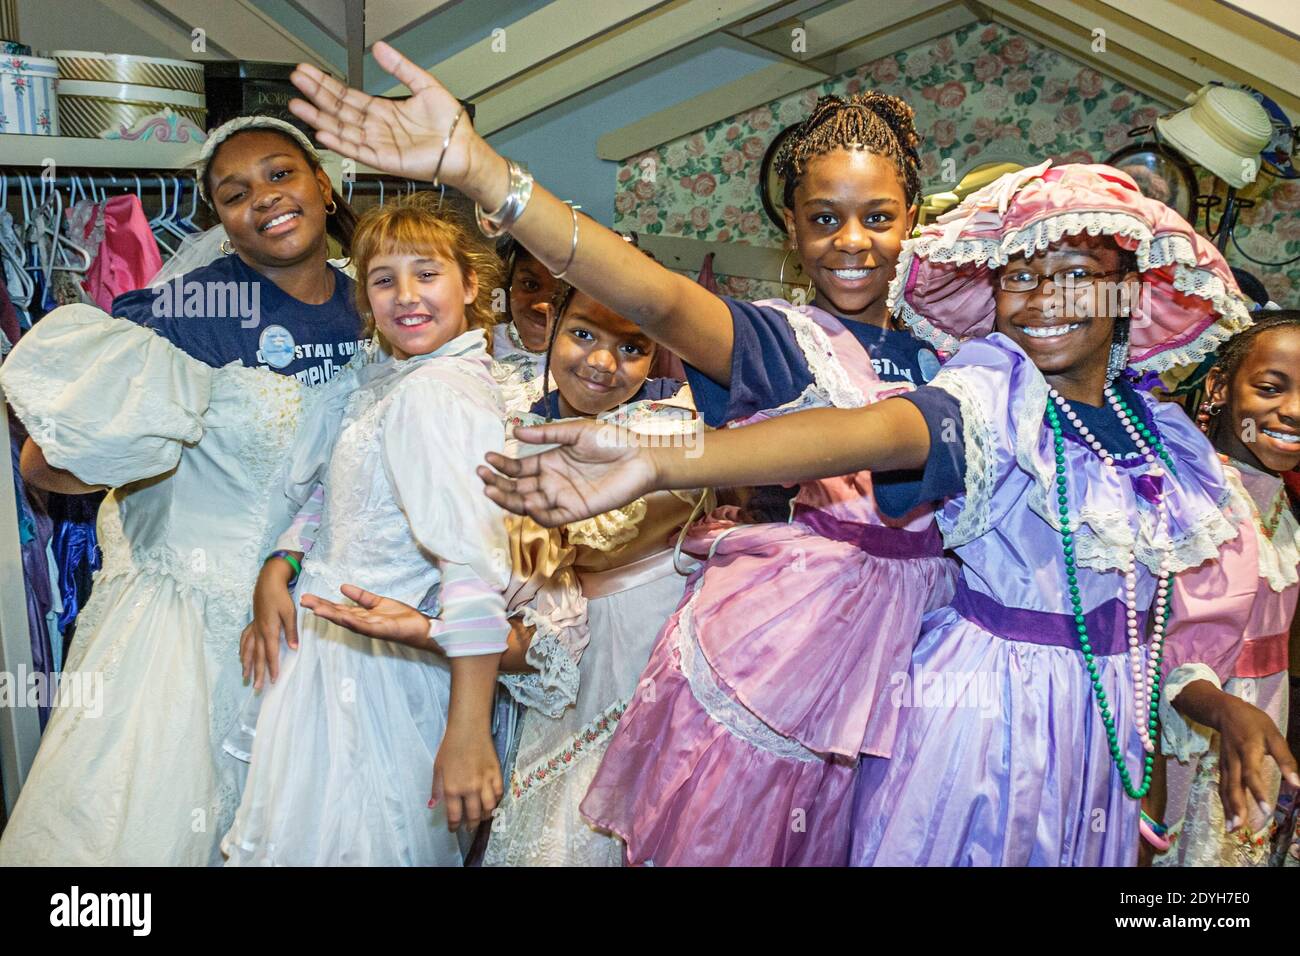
944 287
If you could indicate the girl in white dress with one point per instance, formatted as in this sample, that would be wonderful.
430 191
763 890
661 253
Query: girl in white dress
587 600
189 420
353 730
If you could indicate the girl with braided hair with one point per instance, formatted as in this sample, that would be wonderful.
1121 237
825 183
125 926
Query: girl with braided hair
742 743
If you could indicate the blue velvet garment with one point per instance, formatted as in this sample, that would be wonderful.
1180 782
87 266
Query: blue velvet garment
76 551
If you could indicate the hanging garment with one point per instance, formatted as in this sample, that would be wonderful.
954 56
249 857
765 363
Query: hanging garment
34 531
9 330
76 555
128 255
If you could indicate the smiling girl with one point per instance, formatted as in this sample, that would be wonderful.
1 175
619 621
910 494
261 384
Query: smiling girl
188 420
1252 415
354 729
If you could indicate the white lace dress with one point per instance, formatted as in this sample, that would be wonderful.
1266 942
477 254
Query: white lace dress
594 631
130 769
344 747
517 370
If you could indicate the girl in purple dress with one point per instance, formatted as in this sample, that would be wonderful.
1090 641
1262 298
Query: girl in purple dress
1028 717
752 710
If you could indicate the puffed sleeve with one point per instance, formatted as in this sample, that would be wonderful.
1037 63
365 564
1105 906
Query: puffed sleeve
1209 612
985 380
437 430
105 399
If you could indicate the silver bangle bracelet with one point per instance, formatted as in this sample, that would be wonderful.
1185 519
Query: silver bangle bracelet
573 248
499 221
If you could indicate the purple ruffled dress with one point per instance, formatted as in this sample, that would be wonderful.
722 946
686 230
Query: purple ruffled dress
1002 758
742 742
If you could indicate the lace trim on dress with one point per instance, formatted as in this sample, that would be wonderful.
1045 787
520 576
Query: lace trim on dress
738 721
981 439
609 530
587 741
1279 555
554 686
1181 738
831 378
1104 537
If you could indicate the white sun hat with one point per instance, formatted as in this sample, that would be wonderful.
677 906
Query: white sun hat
1223 130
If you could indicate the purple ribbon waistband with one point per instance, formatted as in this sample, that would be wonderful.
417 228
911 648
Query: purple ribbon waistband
873 539
1107 623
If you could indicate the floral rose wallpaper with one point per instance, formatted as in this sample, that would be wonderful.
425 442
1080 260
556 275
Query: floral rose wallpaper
982 91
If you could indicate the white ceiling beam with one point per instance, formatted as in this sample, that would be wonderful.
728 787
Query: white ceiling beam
919 29
530 41
829 30
1282 15
785 12
242 30
1164 52
772 82
329 17
387 18
1256 50
663 31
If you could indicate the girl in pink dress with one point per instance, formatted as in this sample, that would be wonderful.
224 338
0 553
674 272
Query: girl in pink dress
1252 415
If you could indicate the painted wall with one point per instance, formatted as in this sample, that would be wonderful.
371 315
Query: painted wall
981 93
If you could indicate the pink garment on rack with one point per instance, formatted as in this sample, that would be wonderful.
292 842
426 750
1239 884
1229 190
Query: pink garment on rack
127 258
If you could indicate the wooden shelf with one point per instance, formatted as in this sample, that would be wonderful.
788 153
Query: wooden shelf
17 149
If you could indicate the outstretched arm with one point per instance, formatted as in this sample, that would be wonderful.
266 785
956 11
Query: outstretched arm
407 138
597 467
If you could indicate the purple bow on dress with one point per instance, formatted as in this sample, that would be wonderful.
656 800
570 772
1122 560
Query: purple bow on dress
1149 486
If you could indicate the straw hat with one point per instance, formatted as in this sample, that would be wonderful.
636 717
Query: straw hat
1223 130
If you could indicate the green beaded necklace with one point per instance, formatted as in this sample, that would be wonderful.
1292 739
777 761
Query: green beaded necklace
1076 602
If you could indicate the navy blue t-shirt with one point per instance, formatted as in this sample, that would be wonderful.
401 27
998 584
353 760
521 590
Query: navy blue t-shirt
227 311
768 369
652 390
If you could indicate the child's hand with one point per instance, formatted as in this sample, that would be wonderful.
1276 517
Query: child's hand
376 616
466 778
1247 736
273 611
594 469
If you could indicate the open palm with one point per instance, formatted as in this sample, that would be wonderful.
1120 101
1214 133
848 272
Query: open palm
594 469
404 138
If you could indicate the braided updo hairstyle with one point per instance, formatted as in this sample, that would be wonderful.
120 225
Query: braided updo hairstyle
1233 352
877 122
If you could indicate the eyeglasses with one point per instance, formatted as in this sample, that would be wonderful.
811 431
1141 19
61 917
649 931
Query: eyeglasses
1074 278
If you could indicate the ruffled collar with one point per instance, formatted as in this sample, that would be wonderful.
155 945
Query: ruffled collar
1279 550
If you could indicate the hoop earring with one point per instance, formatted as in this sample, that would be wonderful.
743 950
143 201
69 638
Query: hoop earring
808 293
226 247
331 208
